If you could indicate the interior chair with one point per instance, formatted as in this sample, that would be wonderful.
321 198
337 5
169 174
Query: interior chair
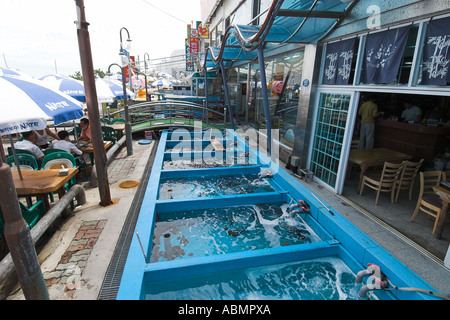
384 181
109 134
26 161
120 120
446 176
354 144
31 215
429 202
407 177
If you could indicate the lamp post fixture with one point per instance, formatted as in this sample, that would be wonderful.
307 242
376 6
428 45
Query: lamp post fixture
145 62
125 100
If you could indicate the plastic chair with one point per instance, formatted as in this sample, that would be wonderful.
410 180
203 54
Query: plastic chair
429 202
23 151
384 181
121 120
109 134
82 164
10 152
76 132
24 159
407 177
31 215
105 120
56 160
58 156
51 150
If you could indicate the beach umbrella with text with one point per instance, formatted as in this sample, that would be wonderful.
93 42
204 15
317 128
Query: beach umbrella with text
26 105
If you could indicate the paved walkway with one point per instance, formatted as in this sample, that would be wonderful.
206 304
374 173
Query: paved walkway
75 258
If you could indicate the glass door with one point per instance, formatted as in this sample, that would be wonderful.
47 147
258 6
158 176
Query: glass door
333 128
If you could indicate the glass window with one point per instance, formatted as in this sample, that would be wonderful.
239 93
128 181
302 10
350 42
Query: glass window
329 135
283 76
407 59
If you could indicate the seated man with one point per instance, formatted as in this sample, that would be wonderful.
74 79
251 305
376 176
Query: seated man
29 143
85 130
65 144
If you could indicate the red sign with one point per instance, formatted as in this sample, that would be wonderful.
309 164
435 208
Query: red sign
193 41
203 31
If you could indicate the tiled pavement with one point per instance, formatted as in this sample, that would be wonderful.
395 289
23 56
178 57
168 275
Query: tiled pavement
68 273
75 258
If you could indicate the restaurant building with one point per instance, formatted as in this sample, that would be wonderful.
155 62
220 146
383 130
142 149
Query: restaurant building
322 60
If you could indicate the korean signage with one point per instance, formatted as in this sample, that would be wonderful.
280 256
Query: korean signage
193 41
203 31
189 60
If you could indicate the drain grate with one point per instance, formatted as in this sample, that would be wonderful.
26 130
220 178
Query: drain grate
111 282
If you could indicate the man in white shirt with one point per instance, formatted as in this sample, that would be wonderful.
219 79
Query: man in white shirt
411 112
29 143
65 144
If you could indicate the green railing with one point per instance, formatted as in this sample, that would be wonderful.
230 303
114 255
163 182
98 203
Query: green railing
171 112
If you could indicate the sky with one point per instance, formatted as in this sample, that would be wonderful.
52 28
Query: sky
39 37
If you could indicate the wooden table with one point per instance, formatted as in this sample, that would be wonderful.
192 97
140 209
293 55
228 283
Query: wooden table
89 149
444 194
40 183
119 127
374 157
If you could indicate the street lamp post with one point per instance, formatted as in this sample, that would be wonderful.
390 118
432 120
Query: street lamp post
129 140
145 62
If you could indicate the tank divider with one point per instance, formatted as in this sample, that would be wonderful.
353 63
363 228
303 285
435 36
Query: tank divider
171 270
218 202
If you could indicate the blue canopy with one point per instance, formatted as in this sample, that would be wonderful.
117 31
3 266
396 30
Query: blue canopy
288 21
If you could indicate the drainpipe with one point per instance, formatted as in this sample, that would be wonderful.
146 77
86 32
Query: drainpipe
265 97
76 191
18 238
206 88
227 97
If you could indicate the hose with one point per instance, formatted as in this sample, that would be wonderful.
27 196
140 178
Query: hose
418 290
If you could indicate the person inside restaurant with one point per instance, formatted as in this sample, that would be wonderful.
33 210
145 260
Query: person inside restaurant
411 112
85 130
368 112
29 143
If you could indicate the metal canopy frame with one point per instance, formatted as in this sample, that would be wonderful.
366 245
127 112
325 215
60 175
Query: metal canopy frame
290 21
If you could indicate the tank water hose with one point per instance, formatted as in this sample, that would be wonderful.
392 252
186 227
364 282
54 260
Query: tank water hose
418 290
383 282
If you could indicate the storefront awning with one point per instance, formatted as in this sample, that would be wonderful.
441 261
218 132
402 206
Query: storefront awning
287 21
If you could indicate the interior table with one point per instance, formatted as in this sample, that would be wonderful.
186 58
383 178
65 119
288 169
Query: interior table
366 158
